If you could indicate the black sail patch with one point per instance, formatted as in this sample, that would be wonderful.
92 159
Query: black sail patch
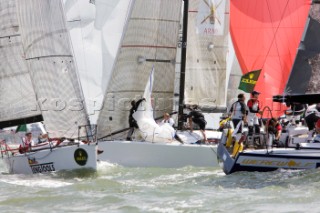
81 156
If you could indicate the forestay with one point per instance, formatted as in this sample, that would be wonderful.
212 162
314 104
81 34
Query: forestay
49 57
150 39
17 98
206 75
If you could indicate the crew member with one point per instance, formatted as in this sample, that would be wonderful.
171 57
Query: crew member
132 122
274 129
27 142
197 117
254 108
312 115
167 119
239 112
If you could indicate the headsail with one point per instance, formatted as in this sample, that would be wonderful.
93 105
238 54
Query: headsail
149 129
95 31
305 77
49 57
17 98
266 35
150 39
206 75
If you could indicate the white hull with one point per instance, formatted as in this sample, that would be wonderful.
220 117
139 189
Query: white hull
56 159
166 155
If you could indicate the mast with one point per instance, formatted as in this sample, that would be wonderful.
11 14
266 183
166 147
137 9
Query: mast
183 62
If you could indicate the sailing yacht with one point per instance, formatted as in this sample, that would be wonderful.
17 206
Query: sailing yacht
39 82
150 41
301 88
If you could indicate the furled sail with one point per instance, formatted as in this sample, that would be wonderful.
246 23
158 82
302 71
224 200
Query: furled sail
305 74
49 57
150 39
95 30
206 75
266 34
17 98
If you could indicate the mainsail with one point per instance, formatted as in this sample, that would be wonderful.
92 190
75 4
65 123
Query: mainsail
150 39
305 77
266 35
48 54
206 75
17 98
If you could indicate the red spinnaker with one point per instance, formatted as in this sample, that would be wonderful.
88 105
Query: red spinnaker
266 35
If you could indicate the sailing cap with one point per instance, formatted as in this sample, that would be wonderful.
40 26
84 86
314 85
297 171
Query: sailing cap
255 92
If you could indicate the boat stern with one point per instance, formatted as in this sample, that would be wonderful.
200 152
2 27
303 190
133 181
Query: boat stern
224 158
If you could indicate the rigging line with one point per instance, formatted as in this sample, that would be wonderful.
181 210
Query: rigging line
275 33
275 41
256 39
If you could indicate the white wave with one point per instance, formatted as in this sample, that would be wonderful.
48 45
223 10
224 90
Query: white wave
37 183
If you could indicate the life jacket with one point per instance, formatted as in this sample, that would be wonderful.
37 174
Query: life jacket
253 105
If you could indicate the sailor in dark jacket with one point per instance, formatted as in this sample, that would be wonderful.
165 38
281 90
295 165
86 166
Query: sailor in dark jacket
132 122
197 117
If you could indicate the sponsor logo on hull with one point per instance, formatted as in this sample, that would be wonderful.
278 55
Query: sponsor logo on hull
278 163
81 156
42 168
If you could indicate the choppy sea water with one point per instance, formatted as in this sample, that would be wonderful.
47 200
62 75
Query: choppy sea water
119 189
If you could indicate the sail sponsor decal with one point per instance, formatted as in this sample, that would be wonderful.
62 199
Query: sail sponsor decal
249 80
277 162
210 17
81 156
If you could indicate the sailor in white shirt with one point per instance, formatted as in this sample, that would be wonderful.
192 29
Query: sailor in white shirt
167 119
312 115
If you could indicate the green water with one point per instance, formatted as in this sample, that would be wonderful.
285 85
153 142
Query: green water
119 189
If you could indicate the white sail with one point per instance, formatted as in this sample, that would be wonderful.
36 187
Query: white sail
95 30
49 56
234 75
17 97
206 75
149 129
150 39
